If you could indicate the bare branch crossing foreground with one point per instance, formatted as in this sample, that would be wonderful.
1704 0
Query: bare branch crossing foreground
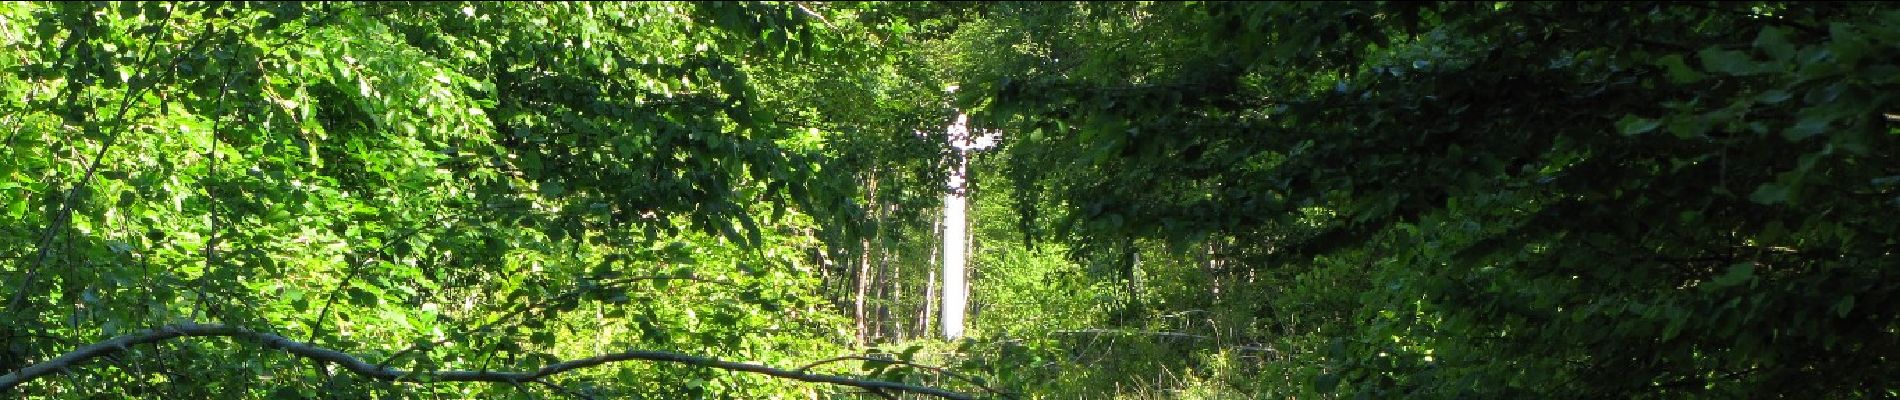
366 369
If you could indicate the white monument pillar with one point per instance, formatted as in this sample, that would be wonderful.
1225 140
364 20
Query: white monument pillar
956 289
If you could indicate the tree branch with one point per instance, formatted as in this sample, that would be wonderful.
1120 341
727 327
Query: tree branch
367 370
931 368
1176 335
563 389
813 14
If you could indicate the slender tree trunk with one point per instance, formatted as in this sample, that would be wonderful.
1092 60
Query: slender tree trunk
893 312
924 322
866 277
874 310
891 295
1212 260
1131 262
863 275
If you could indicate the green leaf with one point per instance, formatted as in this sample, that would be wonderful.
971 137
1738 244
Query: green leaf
1632 125
1326 383
1773 96
1679 71
552 189
910 353
17 206
1807 126
285 393
1844 306
753 236
1774 41
1728 62
1847 43
1690 126
873 365
361 297
1770 193
1737 274
1674 326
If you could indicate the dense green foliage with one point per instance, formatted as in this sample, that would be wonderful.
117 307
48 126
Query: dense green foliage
1190 199
488 185
1490 200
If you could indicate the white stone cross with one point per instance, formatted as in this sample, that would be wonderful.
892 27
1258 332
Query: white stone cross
956 291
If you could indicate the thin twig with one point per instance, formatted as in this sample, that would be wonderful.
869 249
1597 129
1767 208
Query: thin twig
881 393
563 389
936 369
211 194
316 322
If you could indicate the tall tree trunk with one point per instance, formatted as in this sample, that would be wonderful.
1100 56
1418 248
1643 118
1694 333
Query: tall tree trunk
864 268
924 322
1131 261
893 311
863 275
1211 258
890 296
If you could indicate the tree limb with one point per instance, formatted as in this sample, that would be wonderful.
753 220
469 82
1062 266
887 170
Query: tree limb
1176 335
363 368
563 390
814 14
931 368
